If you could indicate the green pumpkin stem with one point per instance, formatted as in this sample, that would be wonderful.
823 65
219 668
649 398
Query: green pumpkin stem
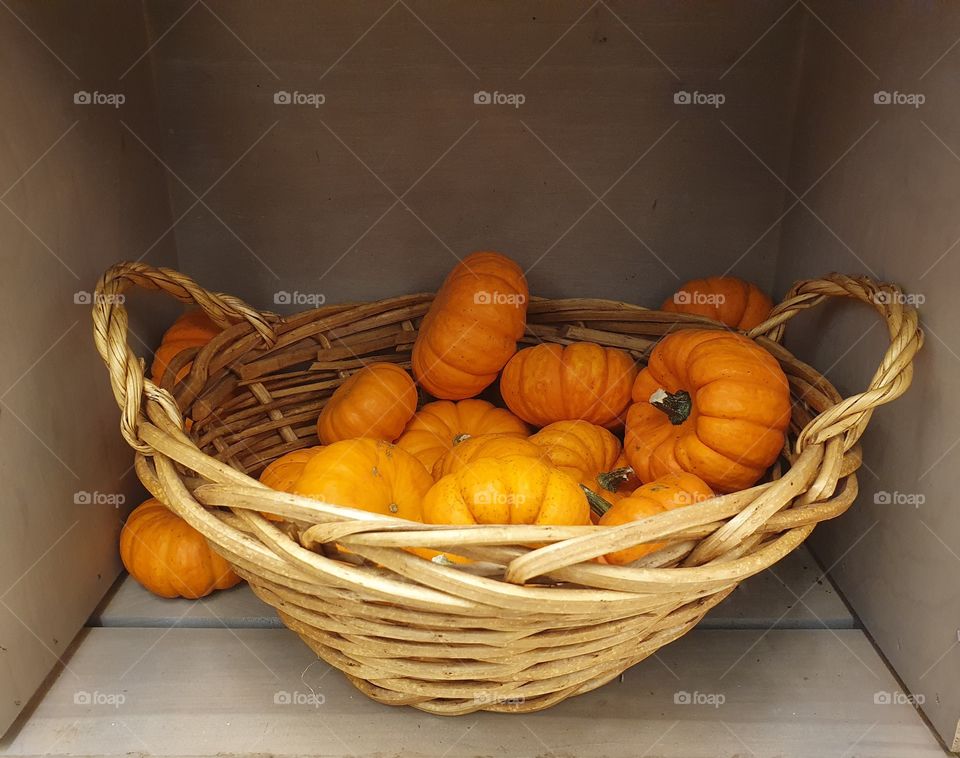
460 438
611 480
677 405
597 504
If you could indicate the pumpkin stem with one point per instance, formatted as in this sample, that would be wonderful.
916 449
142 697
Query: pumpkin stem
597 504
676 405
611 480
460 438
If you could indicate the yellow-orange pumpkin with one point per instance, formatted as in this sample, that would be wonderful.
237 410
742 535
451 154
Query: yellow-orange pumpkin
664 494
726 299
472 327
377 401
169 557
283 473
484 446
512 490
438 426
585 381
192 329
710 402
368 474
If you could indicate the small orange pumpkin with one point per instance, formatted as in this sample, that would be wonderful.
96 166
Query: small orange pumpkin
438 426
710 402
192 329
664 494
585 381
472 327
368 474
377 401
282 474
512 490
586 452
727 299
169 557
483 446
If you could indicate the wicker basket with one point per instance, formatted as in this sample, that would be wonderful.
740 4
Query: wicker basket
520 629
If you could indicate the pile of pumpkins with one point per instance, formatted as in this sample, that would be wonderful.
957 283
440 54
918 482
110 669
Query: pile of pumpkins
707 414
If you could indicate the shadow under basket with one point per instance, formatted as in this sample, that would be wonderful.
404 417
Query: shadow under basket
521 628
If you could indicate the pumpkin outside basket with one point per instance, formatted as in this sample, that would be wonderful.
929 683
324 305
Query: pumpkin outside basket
523 628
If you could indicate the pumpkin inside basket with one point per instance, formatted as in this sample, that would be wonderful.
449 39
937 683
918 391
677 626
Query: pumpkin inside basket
532 618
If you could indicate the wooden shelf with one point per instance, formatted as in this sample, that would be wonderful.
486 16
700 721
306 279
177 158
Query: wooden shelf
769 599
209 692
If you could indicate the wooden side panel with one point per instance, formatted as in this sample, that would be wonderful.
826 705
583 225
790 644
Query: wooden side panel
888 209
77 193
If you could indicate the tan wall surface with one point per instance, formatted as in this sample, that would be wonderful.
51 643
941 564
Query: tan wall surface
892 203
85 193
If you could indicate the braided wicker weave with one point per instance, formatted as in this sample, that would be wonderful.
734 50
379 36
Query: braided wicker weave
521 628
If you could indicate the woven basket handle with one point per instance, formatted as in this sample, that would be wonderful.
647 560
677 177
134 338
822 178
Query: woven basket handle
110 328
849 417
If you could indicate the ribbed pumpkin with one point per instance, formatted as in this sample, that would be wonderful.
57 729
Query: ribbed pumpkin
664 494
585 451
726 299
709 402
368 474
512 490
484 446
192 329
585 381
283 473
472 327
377 401
169 557
438 426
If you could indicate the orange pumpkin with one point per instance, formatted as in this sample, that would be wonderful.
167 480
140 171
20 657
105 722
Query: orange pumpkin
169 557
731 301
585 381
586 452
282 474
377 401
438 426
192 329
710 402
512 490
664 494
368 474
483 446
472 327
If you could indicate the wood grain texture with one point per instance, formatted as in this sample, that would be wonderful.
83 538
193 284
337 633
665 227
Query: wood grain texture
218 692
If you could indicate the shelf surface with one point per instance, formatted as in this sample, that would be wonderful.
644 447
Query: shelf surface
791 595
209 692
